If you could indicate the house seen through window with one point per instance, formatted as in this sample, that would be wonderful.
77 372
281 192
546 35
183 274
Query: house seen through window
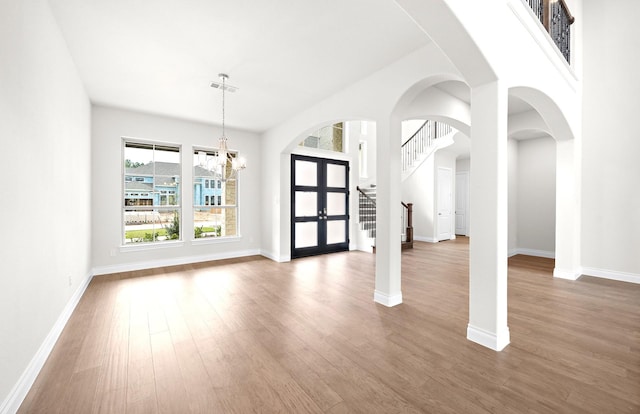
151 196
215 209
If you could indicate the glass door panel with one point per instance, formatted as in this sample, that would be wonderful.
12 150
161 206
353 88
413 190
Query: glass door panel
336 175
336 231
336 204
306 173
306 235
306 204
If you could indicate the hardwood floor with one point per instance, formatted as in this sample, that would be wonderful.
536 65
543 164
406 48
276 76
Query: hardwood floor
252 335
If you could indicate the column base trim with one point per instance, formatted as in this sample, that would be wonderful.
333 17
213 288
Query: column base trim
489 339
566 274
386 300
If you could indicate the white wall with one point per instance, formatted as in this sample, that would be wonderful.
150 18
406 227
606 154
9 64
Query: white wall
419 189
45 194
367 135
463 164
108 127
531 200
512 154
536 196
611 148
369 138
410 127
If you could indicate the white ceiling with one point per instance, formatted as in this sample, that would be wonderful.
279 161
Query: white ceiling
284 55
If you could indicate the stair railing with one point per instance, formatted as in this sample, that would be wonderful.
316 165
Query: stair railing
416 145
367 212
557 20
367 217
421 141
441 129
407 222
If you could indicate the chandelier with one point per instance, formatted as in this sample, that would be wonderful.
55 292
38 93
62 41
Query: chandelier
224 164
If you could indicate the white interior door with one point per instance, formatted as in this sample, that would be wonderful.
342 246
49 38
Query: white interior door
445 202
462 203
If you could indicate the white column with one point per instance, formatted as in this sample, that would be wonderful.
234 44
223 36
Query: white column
488 217
568 208
388 180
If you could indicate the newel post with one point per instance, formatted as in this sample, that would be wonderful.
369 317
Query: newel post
409 222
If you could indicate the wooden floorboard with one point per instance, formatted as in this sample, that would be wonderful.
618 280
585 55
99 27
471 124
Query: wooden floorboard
251 335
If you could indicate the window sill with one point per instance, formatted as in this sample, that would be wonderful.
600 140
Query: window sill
216 240
139 247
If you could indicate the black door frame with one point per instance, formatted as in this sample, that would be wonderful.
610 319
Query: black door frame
321 218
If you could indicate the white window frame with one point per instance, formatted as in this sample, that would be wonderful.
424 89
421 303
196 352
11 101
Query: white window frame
148 245
218 185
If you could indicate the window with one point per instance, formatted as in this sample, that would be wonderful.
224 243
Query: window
151 189
206 183
329 138
362 158
215 209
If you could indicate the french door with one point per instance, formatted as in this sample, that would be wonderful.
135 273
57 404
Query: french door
319 206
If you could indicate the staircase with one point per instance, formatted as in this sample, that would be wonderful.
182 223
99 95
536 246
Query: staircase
367 217
367 210
430 137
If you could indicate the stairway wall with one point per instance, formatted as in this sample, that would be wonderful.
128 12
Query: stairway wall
420 189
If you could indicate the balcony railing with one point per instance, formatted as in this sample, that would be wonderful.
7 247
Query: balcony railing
557 19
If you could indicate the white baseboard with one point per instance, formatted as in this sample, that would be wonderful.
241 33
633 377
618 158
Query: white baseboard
425 239
566 274
129 267
488 339
280 259
270 255
386 300
532 252
15 398
612 275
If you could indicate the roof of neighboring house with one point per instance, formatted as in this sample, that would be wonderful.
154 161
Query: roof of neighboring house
157 168
203 172
166 168
137 185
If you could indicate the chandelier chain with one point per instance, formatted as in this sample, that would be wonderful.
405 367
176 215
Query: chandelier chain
224 78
